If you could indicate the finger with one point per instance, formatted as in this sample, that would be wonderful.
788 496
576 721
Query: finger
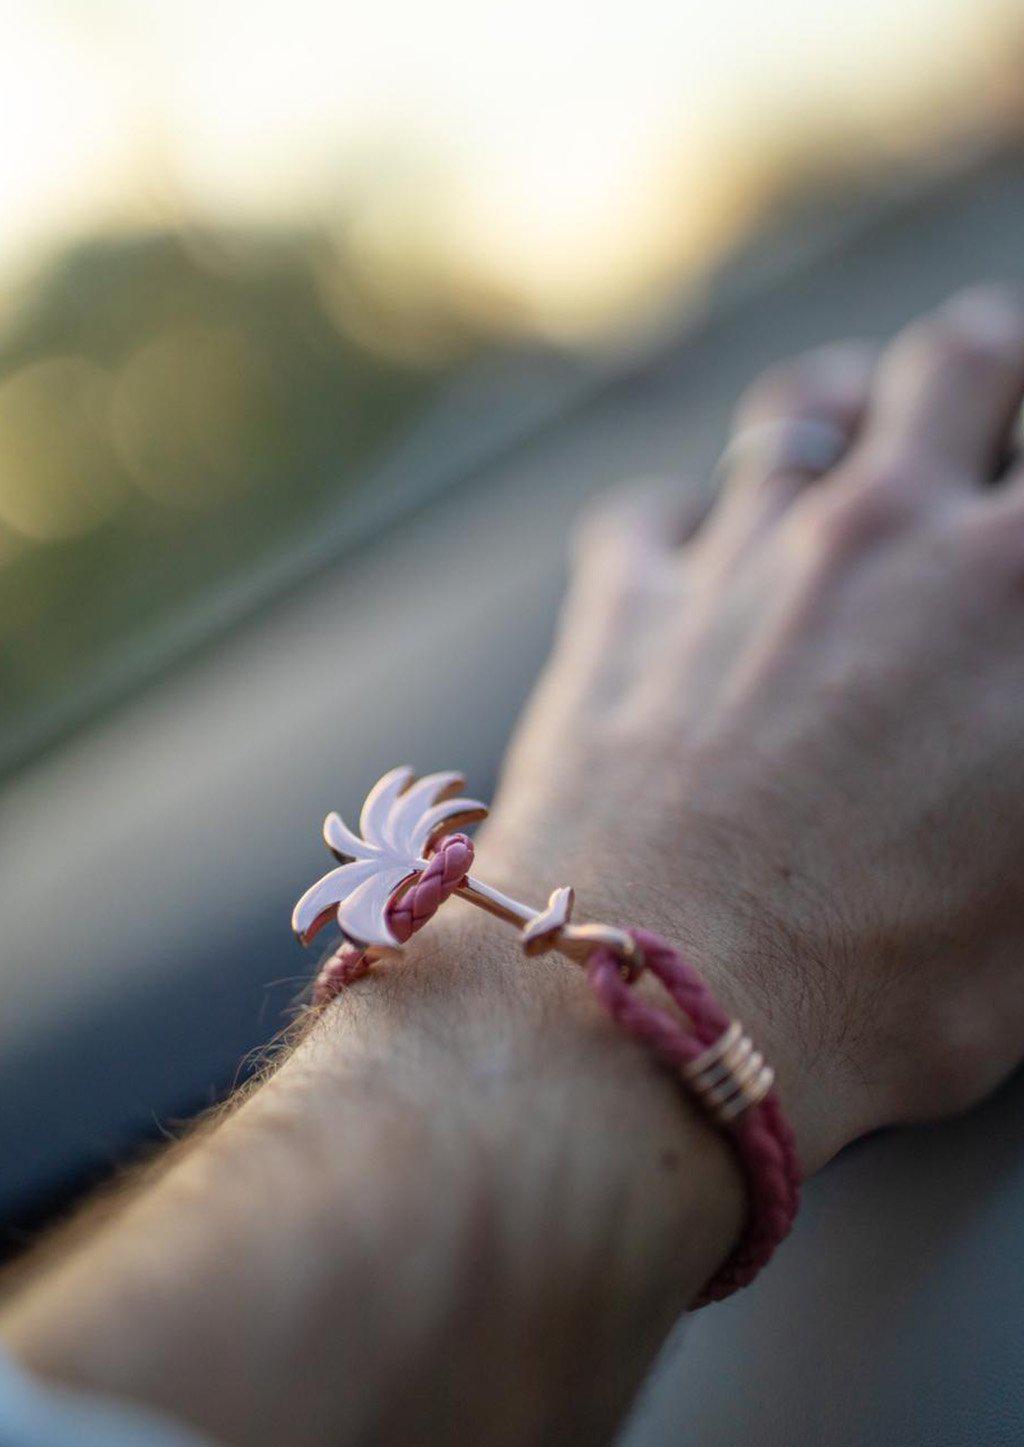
796 423
622 555
631 530
949 387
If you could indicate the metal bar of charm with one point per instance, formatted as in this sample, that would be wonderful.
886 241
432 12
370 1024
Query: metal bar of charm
502 906
550 928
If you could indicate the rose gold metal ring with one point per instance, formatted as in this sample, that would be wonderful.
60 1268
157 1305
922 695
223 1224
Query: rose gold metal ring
730 1076
804 446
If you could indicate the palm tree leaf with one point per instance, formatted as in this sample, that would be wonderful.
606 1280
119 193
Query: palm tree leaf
379 801
340 839
466 811
362 914
397 822
319 902
408 807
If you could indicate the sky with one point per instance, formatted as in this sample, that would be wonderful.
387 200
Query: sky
544 144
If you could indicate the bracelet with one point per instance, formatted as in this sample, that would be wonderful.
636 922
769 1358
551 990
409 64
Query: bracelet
409 857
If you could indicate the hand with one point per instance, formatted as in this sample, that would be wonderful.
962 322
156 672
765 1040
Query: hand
792 742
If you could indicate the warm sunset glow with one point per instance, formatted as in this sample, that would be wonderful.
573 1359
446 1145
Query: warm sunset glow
579 147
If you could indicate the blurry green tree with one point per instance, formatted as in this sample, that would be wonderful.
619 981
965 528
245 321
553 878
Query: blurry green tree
173 408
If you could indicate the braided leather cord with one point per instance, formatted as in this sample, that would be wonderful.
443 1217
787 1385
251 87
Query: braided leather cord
761 1134
446 869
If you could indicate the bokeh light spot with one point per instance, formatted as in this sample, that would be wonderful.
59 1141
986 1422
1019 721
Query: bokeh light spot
191 413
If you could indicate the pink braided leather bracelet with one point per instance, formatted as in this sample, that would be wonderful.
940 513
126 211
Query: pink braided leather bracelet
403 865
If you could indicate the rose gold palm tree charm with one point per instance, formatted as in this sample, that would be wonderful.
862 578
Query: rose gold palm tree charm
401 822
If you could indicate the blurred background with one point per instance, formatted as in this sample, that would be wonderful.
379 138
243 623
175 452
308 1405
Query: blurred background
246 248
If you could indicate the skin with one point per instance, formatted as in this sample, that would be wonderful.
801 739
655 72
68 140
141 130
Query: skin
785 734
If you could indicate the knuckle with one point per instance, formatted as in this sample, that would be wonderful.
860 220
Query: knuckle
943 345
993 545
622 518
598 539
973 354
776 391
861 517
895 485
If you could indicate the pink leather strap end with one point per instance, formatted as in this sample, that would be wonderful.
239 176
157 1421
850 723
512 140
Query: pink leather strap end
760 1134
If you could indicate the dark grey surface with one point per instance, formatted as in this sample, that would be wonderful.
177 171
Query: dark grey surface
891 1318
147 871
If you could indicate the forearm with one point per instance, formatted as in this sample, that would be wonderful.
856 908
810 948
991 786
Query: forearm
462 1202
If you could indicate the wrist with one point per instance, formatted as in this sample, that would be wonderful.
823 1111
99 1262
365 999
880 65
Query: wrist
548 1092
761 965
